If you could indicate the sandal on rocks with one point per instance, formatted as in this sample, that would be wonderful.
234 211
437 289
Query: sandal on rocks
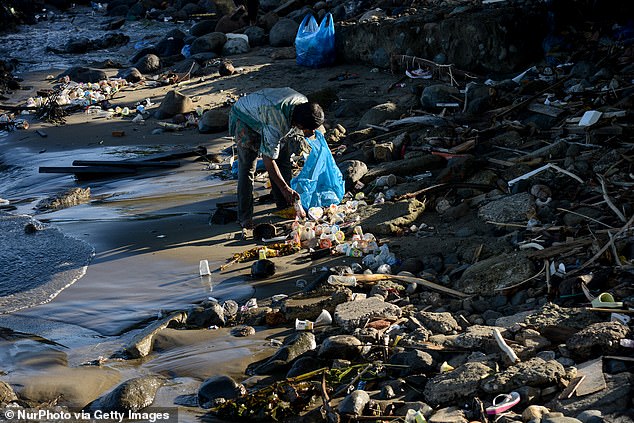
606 300
506 402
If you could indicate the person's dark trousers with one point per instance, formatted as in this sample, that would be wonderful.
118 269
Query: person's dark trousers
247 161
284 164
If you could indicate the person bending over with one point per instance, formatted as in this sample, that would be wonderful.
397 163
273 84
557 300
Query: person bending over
262 123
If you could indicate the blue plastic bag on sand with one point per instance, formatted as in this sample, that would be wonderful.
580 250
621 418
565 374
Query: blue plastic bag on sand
320 182
315 45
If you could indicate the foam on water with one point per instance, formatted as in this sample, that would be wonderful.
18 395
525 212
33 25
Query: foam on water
36 267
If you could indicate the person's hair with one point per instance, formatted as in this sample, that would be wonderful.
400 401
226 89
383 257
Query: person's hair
308 115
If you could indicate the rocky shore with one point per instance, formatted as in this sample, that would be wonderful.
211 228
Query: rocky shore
484 271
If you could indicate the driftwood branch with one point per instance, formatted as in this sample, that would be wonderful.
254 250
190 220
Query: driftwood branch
402 59
608 200
504 346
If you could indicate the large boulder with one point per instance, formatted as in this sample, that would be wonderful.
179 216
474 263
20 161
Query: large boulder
461 383
203 28
598 339
130 74
232 23
257 36
535 372
283 33
235 46
169 46
498 271
83 74
205 315
212 121
149 63
132 395
435 95
350 315
438 323
218 387
295 346
209 43
391 218
345 347
379 114
174 103
513 208
141 344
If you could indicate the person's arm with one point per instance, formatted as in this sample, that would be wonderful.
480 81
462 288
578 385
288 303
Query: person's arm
277 179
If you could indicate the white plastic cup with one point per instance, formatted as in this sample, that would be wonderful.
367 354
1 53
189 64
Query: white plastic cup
204 268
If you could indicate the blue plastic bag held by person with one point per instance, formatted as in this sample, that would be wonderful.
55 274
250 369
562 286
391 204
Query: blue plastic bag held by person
320 182
315 45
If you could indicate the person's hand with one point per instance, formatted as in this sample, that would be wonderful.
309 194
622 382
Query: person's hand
290 194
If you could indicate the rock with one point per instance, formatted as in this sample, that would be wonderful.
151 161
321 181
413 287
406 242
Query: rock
170 46
132 395
532 339
209 313
461 383
561 419
479 98
203 28
479 338
442 323
354 404
111 41
304 365
231 23
390 218
226 68
513 208
148 64
588 415
174 103
346 347
309 307
353 314
498 271
439 93
208 43
615 398
416 406
552 315
82 74
283 33
297 345
417 361
78 46
6 393
534 372
214 120
352 107
235 46
598 339
534 412
379 114
243 330
217 387
130 75
141 343
257 36
448 415
464 39
190 66
69 198
352 171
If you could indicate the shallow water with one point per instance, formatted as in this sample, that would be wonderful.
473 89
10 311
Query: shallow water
29 44
108 308
36 267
